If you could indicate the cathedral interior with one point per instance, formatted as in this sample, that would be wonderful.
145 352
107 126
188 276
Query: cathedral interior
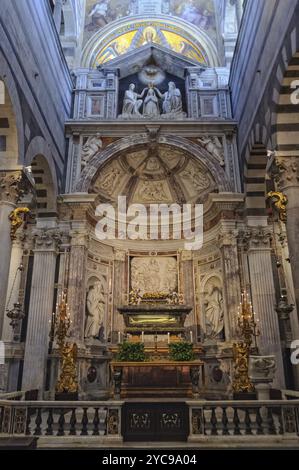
149 206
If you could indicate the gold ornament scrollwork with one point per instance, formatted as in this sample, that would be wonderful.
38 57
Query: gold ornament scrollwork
279 201
16 220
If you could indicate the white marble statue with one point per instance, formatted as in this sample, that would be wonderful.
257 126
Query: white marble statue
213 145
132 102
172 99
214 312
151 104
95 310
92 146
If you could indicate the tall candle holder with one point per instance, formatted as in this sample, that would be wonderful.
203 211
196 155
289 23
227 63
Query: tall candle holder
67 384
248 332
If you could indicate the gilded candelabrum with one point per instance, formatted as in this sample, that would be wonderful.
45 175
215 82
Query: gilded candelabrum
61 324
247 326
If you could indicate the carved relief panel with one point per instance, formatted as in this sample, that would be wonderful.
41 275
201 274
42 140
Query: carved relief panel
154 274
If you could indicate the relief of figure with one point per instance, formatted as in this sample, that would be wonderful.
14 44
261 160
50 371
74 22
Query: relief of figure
132 102
109 180
151 104
214 312
95 310
172 99
92 146
213 145
152 191
199 180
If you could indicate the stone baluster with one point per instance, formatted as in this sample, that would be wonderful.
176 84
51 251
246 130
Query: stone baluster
263 296
40 309
13 184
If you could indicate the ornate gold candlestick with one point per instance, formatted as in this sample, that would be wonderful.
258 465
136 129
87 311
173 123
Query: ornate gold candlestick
67 383
241 350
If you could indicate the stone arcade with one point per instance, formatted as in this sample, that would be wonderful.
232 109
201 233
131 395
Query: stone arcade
151 112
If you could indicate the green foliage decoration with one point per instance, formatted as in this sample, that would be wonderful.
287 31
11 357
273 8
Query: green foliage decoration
182 351
131 352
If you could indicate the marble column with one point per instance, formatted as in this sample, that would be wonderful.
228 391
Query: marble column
231 276
11 190
40 309
14 279
263 296
77 283
286 174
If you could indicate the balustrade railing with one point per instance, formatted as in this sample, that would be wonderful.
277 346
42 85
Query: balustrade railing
207 418
60 418
244 418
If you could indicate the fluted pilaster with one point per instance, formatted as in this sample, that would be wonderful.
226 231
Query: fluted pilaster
77 282
40 309
263 296
231 278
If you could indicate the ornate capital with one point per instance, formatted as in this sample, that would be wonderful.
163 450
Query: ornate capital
47 240
285 171
120 255
79 238
256 237
13 186
227 237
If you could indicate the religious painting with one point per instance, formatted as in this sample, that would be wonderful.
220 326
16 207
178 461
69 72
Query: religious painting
99 13
201 13
95 106
140 33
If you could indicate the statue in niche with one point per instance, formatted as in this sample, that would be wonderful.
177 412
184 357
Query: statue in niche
151 104
172 99
214 312
92 146
95 311
213 145
132 102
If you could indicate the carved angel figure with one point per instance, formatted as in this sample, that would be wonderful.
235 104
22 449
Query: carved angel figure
92 146
213 145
